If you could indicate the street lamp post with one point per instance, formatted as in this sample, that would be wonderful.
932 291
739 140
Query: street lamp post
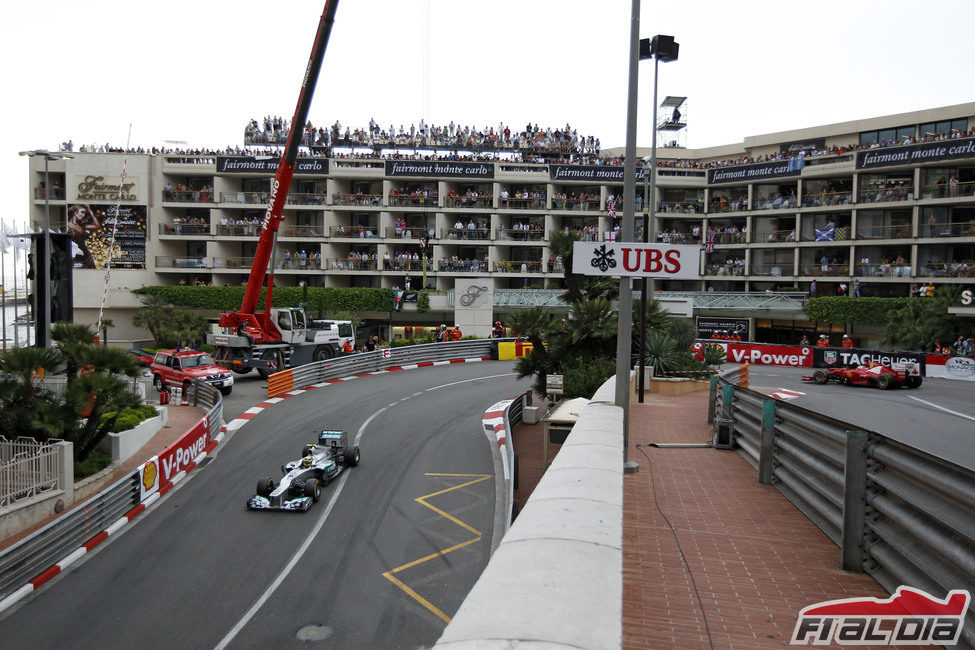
45 306
662 48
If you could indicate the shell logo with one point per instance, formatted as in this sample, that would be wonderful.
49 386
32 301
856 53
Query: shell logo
149 474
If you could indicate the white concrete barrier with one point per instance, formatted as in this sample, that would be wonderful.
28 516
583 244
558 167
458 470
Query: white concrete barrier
556 580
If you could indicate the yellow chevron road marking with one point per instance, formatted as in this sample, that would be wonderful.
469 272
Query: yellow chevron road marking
390 575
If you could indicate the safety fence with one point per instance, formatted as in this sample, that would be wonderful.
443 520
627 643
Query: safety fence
38 557
360 363
897 513
27 468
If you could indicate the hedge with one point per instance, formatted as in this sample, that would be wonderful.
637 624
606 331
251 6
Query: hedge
320 299
855 311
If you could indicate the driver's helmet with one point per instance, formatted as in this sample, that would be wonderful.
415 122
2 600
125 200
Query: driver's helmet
309 450
306 461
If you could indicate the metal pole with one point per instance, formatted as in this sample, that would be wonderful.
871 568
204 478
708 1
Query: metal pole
45 338
649 226
3 283
16 297
625 331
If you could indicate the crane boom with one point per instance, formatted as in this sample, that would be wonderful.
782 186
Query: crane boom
286 168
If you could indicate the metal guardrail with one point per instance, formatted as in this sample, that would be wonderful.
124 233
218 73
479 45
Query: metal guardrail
40 550
897 513
362 362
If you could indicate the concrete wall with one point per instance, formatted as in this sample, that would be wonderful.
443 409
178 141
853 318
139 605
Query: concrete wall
122 445
556 580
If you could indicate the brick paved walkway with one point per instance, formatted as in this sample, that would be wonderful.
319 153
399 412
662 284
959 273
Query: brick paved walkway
752 559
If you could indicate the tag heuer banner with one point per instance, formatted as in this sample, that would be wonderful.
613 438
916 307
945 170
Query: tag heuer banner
836 357
635 259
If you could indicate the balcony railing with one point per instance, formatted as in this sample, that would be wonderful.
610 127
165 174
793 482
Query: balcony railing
414 201
537 203
515 234
482 234
724 269
55 194
773 270
306 198
354 232
463 266
884 195
406 265
738 205
671 237
363 200
933 269
826 199
946 191
238 229
261 198
729 237
480 201
188 196
899 231
351 265
184 229
941 229
242 263
302 231
584 205
294 262
166 262
681 207
884 270
816 268
409 232
517 266
775 237
774 203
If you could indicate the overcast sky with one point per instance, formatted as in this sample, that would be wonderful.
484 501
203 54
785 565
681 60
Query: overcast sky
197 71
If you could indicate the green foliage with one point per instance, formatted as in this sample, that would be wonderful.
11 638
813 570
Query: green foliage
920 322
582 378
129 418
683 331
714 355
317 299
96 462
423 302
662 353
401 343
854 311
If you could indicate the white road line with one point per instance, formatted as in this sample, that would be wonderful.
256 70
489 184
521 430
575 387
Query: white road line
224 642
340 483
941 408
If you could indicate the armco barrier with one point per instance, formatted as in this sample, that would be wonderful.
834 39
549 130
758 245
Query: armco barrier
497 421
565 547
40 556
384 359
901 515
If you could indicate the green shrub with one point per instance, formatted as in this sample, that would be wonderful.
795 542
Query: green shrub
855 311
423 302
96 462
130 418
582 378
400 343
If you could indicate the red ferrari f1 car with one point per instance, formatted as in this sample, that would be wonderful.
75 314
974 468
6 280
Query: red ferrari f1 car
873 374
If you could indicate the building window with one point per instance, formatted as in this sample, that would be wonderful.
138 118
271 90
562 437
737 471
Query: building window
886 137
944 127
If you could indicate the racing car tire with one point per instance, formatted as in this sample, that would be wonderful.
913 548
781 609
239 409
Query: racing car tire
913 382
265 486
351 456
885 381
820 377
313 489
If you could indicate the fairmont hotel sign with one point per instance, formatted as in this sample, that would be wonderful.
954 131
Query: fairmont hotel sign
432 168
96 188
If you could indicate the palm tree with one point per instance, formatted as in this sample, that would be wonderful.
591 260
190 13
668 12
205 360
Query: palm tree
100 393
152 315
72 340
21 396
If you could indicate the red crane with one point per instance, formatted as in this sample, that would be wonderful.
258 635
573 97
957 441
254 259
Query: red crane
259 327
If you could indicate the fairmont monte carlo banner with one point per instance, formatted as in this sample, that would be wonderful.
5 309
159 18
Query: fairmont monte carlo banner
439 168
916 153
268 165
594 173
756 172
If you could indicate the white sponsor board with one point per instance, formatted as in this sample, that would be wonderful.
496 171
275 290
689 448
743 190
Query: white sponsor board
954 368
635 259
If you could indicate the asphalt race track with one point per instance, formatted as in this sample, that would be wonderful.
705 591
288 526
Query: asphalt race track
200 571
938 417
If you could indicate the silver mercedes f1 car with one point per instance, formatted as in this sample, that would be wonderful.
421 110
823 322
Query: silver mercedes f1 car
303 479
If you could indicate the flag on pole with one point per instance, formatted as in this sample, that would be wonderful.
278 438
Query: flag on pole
709 242
611 206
